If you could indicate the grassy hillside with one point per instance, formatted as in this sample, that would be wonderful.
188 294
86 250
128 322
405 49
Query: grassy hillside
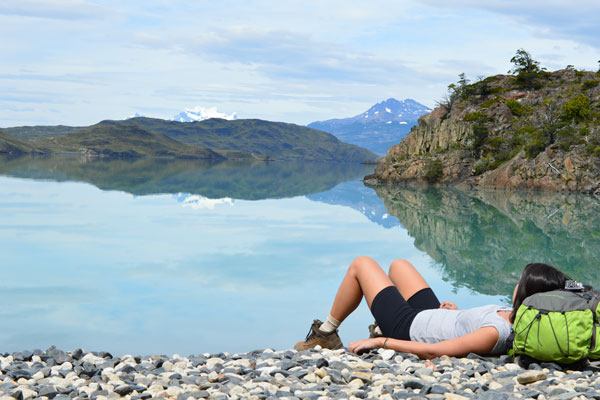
232 139
12 145
276 140
34 133
125 140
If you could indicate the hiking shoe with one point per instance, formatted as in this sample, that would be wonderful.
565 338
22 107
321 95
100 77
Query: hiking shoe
317 338
374 330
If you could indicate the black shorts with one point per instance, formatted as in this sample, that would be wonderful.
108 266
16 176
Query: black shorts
394 314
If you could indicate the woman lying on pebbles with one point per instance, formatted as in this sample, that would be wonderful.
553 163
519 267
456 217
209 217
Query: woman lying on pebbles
412 320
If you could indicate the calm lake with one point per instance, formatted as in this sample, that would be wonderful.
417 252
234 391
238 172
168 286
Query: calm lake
166 256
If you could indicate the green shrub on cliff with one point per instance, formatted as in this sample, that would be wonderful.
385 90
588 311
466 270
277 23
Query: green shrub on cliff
592 83
528 71
434 171
478 138
477 116
568 137
517 108
577 108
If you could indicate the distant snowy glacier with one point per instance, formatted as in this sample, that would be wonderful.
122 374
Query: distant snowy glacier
199 113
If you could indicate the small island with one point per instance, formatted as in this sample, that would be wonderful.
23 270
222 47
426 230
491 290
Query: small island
532 129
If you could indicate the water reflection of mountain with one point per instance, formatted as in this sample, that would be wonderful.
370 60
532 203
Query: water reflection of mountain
355 195
483 239
238 180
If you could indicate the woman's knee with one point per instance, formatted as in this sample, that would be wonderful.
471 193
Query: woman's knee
399 265
362 263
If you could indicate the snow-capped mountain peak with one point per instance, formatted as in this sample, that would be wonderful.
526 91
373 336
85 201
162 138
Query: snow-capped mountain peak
381 126
199 113
401 110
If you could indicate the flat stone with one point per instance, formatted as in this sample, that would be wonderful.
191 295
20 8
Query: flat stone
421 372
19 373
413 384
531 376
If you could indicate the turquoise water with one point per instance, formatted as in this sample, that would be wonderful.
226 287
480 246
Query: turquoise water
163 257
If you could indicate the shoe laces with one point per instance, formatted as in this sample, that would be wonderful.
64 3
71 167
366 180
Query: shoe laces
312 332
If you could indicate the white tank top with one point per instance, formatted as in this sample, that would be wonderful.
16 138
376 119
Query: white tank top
436 325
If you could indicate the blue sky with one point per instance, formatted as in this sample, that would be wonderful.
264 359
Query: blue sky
77 62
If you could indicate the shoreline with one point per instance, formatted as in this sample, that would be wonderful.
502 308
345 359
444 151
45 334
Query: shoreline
286 374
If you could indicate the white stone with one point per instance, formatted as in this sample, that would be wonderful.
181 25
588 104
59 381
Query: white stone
211 362
237 391
168 366
71 376
512 367
155 388
38 375
355 383
92 359
361 365
266 371
311 377
27 393
213 377
174 391
387 354
321 373
108 386
494 385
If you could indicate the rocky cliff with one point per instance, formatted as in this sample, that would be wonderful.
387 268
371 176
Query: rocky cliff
539 132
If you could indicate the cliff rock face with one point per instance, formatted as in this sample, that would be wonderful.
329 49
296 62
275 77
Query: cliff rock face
498 134
436 131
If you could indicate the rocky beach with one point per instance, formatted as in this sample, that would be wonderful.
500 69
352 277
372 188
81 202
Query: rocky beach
287 374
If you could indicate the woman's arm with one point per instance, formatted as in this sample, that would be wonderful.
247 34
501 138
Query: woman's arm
482 341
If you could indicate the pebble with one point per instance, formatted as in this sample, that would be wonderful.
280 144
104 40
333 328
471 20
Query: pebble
288 374
531 376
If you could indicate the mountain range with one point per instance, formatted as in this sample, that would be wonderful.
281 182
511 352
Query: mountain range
378 128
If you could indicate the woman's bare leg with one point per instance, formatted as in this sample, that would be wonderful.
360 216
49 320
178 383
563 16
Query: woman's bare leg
364 278
406 278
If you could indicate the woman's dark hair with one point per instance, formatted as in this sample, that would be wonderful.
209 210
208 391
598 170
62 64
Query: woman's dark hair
537 278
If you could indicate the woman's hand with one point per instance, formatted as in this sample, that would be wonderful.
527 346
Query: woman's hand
448 305
366 344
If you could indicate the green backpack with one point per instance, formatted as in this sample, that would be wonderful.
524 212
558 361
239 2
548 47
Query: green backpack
560 326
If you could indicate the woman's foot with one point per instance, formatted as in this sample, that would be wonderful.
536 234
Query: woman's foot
317 338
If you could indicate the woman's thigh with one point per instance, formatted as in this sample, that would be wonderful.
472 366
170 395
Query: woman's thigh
406 278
